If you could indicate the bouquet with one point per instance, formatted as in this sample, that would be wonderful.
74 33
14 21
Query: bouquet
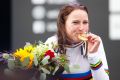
40 56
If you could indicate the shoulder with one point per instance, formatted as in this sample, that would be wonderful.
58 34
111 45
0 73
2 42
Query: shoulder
52 39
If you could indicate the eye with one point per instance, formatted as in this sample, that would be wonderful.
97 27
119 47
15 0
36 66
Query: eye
75 22
85 22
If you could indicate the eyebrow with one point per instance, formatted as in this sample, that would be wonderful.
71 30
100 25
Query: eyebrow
75 20
79 20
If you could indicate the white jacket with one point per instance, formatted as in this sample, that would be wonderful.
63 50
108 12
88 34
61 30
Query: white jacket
96 62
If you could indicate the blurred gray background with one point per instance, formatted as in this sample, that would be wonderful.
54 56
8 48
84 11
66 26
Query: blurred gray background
33 20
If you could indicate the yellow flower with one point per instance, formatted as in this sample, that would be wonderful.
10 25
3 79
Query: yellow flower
29 48
31 57
21 54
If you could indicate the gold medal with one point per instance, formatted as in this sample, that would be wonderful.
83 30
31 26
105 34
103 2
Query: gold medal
83 37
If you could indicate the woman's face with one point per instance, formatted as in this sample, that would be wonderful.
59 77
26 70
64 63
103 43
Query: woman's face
77 22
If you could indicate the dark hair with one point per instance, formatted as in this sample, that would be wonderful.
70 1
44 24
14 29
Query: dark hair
62 16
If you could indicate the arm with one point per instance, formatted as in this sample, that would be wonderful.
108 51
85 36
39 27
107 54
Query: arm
98 64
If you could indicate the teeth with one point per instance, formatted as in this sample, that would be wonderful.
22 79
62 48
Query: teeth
83 37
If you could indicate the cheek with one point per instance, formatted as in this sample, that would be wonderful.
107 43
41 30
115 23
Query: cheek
86 29
70 30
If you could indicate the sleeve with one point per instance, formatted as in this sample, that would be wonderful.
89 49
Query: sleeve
98 64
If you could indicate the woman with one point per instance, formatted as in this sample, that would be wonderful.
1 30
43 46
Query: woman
87 60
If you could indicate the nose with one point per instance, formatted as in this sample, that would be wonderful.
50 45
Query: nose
81 27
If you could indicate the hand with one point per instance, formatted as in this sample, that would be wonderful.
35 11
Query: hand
93 42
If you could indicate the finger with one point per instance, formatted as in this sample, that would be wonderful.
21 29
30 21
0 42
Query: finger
95 47
92 38
95 39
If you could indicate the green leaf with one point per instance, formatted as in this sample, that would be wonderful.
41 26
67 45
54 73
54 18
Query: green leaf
66 67
54 58
45 70
45 60
11 63
35 60
25 62
5 56
42 76
56 68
